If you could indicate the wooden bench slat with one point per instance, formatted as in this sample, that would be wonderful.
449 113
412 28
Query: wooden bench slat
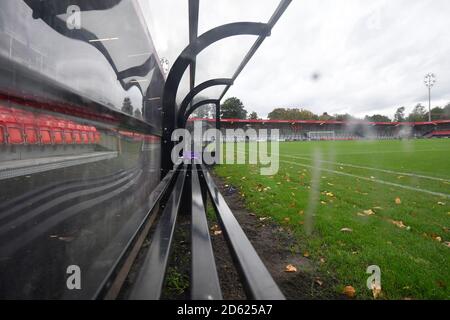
204 280
257 280
150 280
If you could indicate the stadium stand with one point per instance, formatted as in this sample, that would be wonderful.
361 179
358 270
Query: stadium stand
298 130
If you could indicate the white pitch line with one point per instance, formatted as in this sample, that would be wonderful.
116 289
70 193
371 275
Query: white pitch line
370 168
373 180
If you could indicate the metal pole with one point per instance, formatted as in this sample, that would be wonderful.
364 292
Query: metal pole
218 115
429 104
218 151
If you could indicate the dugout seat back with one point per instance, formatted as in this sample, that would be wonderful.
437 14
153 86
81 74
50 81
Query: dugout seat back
45 132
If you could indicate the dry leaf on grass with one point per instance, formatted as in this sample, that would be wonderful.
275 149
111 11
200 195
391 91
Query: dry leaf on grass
290 268
366 213
349 291
376 291
399 224
319 282
398 200
306 254
216 230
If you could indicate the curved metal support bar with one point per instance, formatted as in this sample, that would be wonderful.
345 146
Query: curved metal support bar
196 106
180 66
188 99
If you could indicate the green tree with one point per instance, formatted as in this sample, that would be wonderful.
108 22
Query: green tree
343 117
326 117
203 112
399 115
418 114
253 116
291 114
278 114
377 118
127 107
447 112
233 108
437 113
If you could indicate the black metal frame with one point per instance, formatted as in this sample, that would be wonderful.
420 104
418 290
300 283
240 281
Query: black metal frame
194 182
195 91
195 107
179 67
173 116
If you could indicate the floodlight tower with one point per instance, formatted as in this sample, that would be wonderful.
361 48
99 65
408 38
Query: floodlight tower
430 80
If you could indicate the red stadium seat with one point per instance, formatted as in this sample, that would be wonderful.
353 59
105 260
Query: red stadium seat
57 128
77 134
92 131
30 128
44 125
84 134
13 130
2 135
69 132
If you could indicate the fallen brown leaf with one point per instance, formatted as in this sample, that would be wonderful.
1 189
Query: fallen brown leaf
349 291
368 212
399 223
306 254
398 200
290 268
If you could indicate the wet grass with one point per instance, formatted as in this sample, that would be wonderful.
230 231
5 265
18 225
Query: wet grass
320 189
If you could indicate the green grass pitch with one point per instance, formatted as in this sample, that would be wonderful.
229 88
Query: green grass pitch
394 196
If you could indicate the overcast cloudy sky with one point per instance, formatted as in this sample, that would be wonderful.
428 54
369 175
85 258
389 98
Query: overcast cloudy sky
355 56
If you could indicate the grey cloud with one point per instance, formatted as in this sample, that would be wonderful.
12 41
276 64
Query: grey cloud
371 55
